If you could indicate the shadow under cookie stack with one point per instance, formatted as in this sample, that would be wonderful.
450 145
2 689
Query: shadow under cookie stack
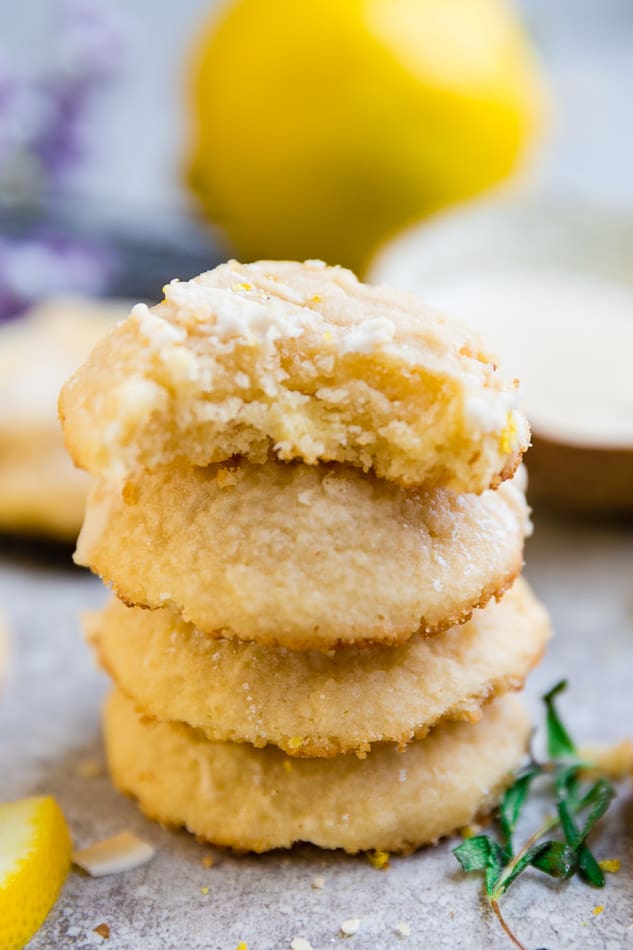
311 484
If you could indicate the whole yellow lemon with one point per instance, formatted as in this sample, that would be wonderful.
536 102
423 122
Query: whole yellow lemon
321 127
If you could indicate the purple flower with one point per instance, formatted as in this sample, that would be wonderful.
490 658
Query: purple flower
43 115
90 41
89 51
43 126
43 265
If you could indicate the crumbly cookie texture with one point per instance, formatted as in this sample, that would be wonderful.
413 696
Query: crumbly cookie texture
300 556
40 490
259 799
315 704
302 361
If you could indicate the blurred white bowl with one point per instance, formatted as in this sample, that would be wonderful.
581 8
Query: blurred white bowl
550 283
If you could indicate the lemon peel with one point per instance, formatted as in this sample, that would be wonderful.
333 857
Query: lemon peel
35 848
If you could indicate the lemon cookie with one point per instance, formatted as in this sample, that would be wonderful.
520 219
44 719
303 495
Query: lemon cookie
299 360
315 704
259 799
303 556
40 490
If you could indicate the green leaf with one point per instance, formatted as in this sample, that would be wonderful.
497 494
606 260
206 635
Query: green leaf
567 783
600 796
560 745
588 868
474 853
524 861
580 803
512 804
567 823
481 854
557 860
496 863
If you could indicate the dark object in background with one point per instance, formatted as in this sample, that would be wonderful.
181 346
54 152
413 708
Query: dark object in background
581 479
64 257
144 267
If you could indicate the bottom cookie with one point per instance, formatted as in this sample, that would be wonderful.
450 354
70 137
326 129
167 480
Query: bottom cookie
250 799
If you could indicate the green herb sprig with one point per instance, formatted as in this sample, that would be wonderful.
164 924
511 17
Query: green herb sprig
580 802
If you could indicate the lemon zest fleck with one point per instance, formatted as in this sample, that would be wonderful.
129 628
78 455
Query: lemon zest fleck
469 831
610 865
507 439
378 859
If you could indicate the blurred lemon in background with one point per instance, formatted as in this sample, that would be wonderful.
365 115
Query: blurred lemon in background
321 128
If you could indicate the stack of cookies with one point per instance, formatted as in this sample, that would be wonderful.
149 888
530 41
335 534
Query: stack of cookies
314 486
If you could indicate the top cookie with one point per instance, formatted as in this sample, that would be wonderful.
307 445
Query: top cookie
297 361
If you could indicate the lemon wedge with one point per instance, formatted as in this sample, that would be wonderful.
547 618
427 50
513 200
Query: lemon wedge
35 851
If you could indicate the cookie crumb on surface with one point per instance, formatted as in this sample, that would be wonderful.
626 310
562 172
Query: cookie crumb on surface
299 943
114 855
350 927
208 861
103 930
615 761
318 883
403 929
89 768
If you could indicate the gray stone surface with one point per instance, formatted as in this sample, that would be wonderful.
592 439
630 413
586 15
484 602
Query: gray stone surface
49 723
